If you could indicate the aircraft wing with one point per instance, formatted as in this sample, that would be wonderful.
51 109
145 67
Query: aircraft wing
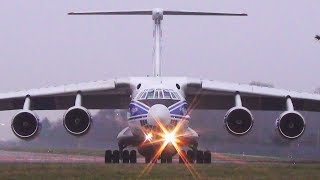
206 94
109 94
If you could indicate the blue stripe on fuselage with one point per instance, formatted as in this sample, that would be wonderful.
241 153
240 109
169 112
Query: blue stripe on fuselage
180 109
176 105
136 110
140 109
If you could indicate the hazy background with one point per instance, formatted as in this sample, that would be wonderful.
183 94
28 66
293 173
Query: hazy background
41 46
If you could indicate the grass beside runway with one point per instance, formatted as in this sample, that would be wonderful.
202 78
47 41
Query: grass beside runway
159 171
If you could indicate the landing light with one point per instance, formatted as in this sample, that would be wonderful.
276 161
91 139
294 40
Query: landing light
149 136
170 138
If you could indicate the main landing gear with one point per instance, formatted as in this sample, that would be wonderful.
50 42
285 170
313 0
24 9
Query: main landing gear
115 156
191 156
164 158
199 157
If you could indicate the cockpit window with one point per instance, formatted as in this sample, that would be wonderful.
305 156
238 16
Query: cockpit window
176 95
140 95
166 94
150 94
143 95
173 96
158 94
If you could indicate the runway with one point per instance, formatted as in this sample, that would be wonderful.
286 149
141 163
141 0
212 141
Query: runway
34 157
31 157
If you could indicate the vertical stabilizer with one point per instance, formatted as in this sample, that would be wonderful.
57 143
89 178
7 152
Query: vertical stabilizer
157 17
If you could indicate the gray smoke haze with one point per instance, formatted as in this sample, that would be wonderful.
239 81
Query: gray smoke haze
41 46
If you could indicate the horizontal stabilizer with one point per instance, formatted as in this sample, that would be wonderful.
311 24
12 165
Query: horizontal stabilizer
196 13
113 13
163 12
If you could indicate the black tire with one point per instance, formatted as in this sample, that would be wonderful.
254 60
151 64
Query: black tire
147 160
190 156
133 157
163 158
155 161
108 156
169 159
125 157
207 157
183 154
200 157
115 157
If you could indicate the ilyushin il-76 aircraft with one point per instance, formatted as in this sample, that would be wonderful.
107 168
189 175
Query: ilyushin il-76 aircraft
159 107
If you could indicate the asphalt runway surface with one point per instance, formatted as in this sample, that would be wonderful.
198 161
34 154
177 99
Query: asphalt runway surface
34 157
31 157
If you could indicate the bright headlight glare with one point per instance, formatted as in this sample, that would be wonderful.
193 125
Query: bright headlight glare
170 137
149 136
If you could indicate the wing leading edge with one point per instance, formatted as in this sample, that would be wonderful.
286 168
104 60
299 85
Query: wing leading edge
206 94
110 94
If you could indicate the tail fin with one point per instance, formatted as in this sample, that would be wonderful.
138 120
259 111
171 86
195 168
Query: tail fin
157 16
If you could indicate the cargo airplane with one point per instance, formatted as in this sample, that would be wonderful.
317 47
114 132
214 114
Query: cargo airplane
159 107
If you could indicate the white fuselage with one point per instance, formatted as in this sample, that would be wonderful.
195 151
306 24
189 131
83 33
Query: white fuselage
152 106
157 101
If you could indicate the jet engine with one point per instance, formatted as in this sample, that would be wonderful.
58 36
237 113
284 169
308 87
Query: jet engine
238 120
25 124
77 120
291 124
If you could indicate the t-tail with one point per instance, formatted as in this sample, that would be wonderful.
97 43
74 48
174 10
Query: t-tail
157 16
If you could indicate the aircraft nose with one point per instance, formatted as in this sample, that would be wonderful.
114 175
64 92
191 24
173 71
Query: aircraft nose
160 113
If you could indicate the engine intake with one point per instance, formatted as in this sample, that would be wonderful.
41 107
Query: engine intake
291 124
77 120
238 120
25 124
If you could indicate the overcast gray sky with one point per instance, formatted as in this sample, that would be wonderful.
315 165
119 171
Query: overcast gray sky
41 46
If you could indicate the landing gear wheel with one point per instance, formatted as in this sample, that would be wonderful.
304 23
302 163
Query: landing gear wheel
207 157
154 161
115 157
133 157
125 157
108 156
190 156
147 159
169 159
163 158
182 156
200 158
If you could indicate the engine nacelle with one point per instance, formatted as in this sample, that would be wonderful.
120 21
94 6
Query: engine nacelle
238 121
25 124
77 120
291 124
